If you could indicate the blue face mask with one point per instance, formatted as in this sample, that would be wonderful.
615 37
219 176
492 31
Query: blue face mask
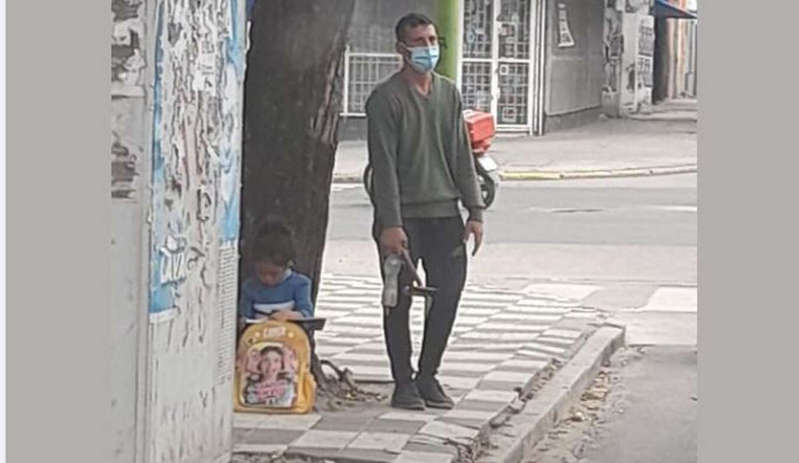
423 59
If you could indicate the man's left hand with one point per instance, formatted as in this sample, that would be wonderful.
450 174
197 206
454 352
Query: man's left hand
475 228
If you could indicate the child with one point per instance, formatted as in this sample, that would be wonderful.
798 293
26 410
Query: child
275 291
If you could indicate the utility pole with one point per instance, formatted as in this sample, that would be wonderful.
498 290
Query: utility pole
447 15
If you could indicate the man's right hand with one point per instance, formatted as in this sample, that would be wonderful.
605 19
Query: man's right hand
393 240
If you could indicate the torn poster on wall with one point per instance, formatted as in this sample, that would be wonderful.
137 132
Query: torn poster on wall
565 38
196 151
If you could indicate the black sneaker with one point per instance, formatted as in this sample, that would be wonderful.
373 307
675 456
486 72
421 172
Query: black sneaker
407 396
433 394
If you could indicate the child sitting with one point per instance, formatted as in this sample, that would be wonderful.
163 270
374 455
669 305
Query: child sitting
275 291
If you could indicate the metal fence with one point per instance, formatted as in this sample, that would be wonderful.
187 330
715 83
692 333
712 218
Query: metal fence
362 72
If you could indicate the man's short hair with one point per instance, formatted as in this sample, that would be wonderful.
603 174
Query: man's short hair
411 20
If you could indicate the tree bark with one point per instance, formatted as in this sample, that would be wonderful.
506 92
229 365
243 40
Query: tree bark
293 91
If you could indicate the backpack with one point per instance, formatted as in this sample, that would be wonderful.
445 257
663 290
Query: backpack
273 373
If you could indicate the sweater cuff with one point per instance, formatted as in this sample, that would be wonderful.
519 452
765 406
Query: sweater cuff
476 214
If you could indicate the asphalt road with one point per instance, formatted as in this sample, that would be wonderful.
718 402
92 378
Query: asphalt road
635 230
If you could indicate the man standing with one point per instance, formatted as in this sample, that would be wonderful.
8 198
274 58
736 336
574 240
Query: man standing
422 163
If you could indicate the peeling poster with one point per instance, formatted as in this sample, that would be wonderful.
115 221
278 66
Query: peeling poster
565 38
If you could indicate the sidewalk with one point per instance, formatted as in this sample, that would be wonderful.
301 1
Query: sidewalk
505 344
662 142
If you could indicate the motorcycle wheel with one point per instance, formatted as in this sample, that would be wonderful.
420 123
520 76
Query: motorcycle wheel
367 180
487 189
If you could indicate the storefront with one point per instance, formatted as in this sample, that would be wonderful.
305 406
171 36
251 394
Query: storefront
500 63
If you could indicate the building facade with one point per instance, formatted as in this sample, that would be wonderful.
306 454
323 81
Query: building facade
676 49
177 75
536 65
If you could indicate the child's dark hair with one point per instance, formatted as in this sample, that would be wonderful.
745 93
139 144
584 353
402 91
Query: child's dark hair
411 20
273 243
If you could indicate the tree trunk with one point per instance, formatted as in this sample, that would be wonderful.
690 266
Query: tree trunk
295 70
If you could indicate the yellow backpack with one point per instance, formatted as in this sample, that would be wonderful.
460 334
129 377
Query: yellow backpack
273 372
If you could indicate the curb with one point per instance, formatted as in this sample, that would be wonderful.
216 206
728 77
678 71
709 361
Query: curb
524 430
605 173
566 174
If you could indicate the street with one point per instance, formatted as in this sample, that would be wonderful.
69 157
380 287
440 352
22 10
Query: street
626 246
628 232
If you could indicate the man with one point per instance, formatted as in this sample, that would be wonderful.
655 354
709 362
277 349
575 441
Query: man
422 164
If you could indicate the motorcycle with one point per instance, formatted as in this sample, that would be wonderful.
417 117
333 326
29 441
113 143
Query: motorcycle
480 128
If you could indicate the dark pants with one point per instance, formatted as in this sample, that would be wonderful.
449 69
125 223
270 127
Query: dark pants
438 243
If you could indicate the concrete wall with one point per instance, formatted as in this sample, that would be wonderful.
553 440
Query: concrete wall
575 72
129 205
198 56
177 75
373 22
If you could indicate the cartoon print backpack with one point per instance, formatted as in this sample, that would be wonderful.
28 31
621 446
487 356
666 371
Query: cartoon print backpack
273 373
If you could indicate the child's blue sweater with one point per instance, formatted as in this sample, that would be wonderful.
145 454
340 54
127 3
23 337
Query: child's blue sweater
292 293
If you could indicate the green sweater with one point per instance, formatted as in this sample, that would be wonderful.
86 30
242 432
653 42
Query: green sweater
420 152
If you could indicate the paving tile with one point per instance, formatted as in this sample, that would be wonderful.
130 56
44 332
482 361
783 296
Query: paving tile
370 310
365 456
396 426
527 365
526 316
492 325
271 437
505 346
487 406
489 395
391 442
446 371
338 340
468 366
469 320
287 422
408 416
372 346
423 457
558 342
476 356
581 316
272 449
534 354
484 304
462 413
325 439
430 445
326 306
507 376
458 382
544 348
448 431
571 291
354 331
547 305
325 349
348 299
490 297
363 357
343 422
477 311
360 320
372 372
569 334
